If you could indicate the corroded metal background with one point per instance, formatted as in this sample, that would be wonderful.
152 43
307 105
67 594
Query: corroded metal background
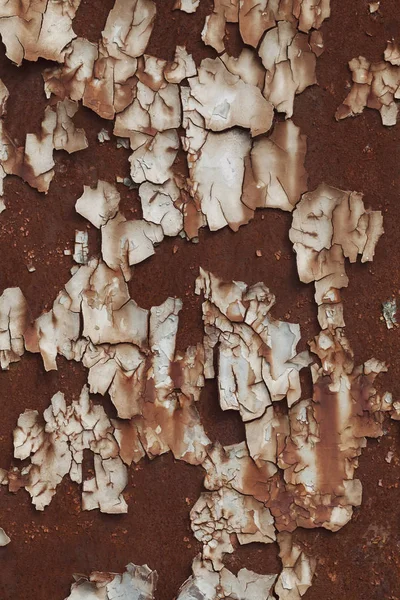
360 561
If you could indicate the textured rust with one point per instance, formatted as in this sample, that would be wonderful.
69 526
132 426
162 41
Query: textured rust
360 561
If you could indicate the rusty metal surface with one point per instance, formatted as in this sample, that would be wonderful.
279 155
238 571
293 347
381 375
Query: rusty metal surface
361 560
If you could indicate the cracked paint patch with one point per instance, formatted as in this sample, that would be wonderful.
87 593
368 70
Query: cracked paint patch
298 569
374 85
207 584
303 468
55 444
231 175
14 319
218 515
33 30
135 583
34 162
225 99
257 359
289 58
255 17
328 226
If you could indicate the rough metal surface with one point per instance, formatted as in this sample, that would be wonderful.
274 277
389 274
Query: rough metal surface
361 560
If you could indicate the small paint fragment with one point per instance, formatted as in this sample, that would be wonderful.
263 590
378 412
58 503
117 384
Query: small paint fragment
389 456
81 248
103 136
388 398
4 539
123 143
127 181
389 311
373 7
